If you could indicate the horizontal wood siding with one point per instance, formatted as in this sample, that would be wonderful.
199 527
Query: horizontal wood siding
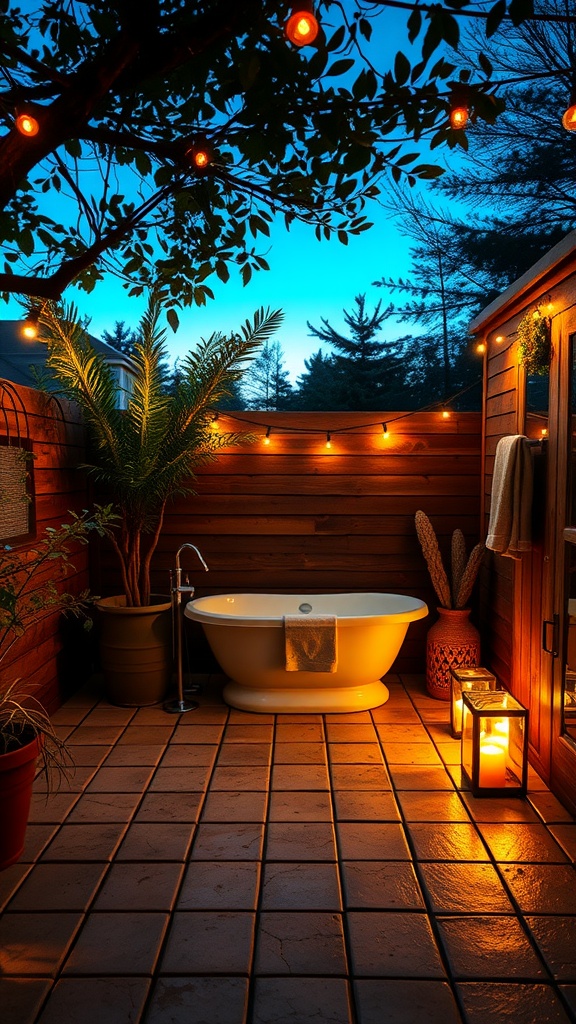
503 415
48 657
296 517
511 590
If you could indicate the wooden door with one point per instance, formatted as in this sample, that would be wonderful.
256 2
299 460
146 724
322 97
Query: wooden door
560 633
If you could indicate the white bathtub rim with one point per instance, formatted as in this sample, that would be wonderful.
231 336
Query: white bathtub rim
414 609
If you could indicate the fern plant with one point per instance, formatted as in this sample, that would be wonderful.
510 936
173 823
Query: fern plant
146 455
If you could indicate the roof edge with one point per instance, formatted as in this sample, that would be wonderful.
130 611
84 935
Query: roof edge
519 289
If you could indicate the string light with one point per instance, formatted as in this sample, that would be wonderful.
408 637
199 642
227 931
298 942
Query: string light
27 125
544 431
443 408
267 438
200 155
30 326
302 27
459 116
499 339
214 425
481 348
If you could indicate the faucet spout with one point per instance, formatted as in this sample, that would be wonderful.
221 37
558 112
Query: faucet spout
193 548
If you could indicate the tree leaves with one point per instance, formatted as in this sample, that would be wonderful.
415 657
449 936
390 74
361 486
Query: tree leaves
495 15
299 133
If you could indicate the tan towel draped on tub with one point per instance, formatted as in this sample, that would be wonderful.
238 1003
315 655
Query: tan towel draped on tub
510 527
310 643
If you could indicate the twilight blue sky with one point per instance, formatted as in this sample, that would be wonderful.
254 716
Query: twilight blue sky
307 280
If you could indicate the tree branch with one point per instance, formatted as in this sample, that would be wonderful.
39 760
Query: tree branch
53 286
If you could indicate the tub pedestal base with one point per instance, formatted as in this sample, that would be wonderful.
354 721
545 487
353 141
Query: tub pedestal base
320 700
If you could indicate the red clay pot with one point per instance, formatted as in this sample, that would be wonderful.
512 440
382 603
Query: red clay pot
17 771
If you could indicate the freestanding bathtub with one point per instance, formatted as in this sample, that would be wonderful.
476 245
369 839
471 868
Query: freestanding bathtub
246 634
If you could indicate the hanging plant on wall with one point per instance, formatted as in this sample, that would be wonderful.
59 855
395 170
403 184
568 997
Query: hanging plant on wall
533 336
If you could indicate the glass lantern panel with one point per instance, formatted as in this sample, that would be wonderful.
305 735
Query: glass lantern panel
467 740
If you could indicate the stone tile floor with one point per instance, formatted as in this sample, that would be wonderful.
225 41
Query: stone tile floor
221 867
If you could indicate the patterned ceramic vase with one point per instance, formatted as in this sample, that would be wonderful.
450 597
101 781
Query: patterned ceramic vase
452 642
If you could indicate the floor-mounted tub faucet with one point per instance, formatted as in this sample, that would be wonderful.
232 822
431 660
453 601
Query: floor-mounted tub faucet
177 588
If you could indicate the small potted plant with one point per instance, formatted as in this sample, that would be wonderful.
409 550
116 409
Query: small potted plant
29 590
453 641
144 456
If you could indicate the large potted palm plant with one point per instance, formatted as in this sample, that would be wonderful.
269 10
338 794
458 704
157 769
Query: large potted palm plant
30 589
144 456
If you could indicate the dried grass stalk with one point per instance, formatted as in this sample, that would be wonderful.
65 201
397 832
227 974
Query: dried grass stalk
431 551
469 576
458 560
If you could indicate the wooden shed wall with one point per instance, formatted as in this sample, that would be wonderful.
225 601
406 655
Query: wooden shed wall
56 439
295 517
501 398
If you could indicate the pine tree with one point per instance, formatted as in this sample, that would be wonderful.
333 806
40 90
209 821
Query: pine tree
266 384
316 388
122 338
441 294
366 371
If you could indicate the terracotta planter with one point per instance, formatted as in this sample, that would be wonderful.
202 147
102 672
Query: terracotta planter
17 770
135 651
452 642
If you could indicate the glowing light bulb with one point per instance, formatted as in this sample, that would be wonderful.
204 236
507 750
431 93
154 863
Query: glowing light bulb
27 125
200 156
328 441
445 414
267 438
30 330
544 431
569 118
459 116
481 348
214 425
302 26
385 431
499 339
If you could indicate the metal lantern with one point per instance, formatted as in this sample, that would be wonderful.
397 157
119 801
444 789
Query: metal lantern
494 743
476 678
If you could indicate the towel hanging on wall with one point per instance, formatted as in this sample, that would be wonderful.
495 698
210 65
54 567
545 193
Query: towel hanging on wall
310 643
510 526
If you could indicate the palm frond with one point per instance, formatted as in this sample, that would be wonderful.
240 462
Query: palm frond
148 405
218 361
83 375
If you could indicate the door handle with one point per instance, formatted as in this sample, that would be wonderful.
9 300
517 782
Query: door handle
554 622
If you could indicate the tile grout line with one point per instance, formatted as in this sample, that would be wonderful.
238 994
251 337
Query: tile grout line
354 1016
59 974
416 868
185 865
518 915
252 979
